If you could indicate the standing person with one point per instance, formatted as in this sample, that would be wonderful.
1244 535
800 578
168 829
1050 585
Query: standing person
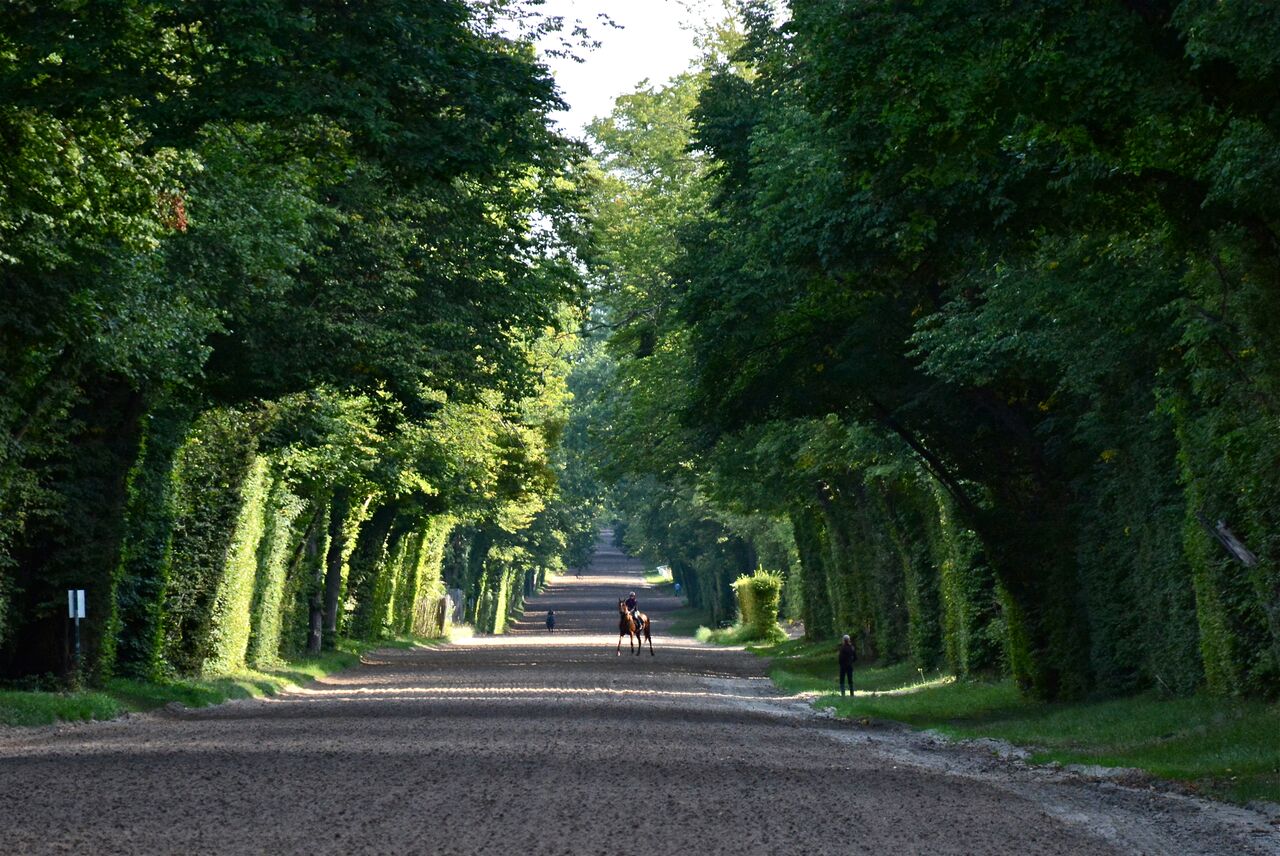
551 620
847 658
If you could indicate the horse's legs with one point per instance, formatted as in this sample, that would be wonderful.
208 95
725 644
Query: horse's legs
649 635
619 644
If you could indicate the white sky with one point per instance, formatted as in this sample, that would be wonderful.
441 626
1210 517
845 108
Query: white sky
654 44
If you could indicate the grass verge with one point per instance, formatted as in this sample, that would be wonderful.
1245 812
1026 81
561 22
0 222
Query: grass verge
738 634
124 695
659 581
684 621
1222 747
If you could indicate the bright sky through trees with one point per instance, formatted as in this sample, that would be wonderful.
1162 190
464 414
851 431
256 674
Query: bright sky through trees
655 42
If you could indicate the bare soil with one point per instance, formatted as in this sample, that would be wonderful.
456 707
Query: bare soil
540 742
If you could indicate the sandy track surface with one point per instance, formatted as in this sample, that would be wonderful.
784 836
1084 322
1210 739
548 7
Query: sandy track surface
538 743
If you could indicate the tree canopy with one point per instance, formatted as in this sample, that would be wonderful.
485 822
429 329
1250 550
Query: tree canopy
967 308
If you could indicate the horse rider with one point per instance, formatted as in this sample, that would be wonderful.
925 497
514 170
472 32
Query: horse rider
633 608
551 620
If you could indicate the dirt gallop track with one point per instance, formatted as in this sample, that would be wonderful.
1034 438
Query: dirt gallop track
538 743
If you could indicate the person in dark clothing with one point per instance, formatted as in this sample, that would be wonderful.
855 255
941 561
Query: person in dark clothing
847 658
632 607
551 620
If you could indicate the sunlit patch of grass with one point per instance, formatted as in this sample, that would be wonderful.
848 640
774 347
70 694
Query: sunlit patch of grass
121 695
43 708
460 632
659 580
737 634
799 666
1224 747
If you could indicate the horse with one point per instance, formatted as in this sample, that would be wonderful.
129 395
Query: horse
630 628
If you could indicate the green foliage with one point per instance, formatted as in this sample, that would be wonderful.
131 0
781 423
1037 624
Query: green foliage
759 597
215 478
244 314
974 632
43 708
278 545
975 301
428 619
133 641
1222 747
230 617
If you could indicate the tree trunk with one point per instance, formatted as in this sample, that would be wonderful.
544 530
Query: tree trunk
315 632
135 639
338 511
816 608
366 562
1030 549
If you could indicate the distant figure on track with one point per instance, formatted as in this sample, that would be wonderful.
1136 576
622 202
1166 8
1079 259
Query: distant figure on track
551 620
847 658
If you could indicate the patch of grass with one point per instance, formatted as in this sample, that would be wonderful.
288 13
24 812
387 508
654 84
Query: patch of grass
659 581
799 666
19 707
1223 747
740 633
122 695
1226 747
684 621
458 632
202 692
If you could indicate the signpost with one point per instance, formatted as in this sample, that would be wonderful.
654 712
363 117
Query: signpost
75 611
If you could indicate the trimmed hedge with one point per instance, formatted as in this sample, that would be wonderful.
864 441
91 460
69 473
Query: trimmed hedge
229 622
759 599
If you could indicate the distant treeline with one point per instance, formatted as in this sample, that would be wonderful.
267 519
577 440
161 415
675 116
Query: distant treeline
965 315
286 315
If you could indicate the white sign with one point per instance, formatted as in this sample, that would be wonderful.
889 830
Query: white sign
75 603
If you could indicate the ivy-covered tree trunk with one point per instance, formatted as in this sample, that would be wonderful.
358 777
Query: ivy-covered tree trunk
974 628
133 644
905 525
213 465
851 567
339 509
368 561
807 525
282 543
1029 544
313 560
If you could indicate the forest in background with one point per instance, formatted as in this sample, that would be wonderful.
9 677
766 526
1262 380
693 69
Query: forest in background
289 301
962 316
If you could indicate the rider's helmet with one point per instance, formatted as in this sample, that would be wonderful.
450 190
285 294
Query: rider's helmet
633 594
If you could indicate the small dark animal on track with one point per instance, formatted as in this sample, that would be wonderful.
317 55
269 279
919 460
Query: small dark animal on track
632 628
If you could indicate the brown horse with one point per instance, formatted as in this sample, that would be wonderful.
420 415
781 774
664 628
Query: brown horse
630 628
